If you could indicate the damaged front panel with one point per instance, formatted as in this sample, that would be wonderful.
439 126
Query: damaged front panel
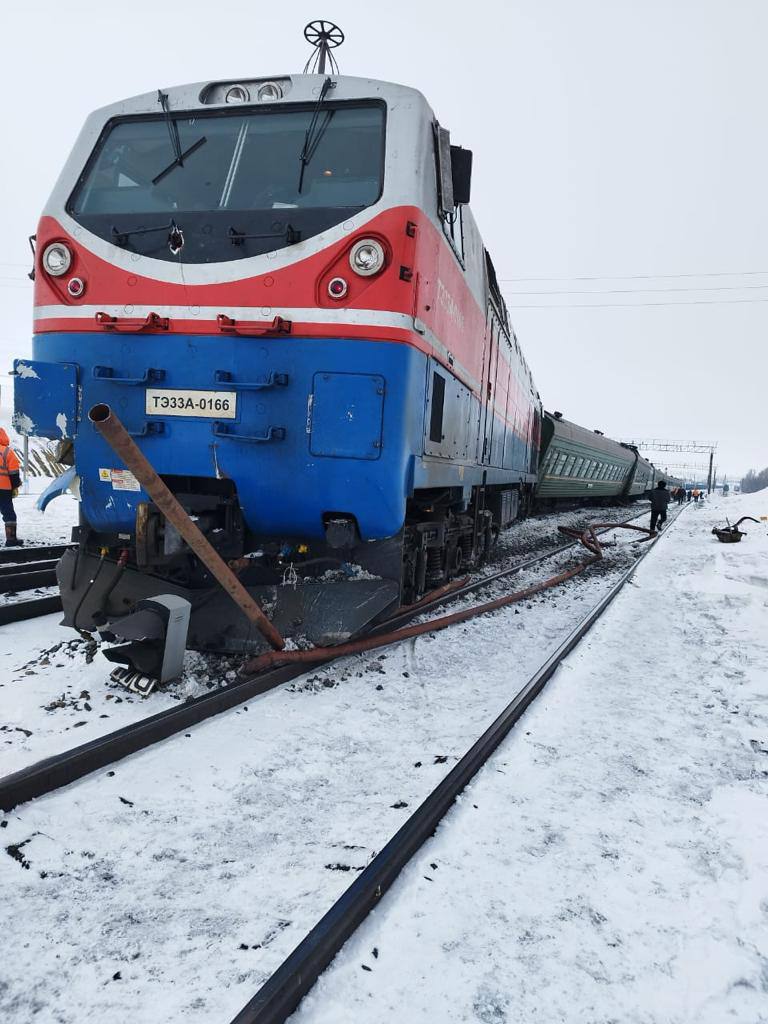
45 398
321 611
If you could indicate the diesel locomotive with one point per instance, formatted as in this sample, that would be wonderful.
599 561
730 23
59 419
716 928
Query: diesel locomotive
278 286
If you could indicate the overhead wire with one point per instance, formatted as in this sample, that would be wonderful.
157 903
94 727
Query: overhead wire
619 305
643 277
640 291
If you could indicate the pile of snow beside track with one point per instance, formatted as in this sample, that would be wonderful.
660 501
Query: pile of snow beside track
610 862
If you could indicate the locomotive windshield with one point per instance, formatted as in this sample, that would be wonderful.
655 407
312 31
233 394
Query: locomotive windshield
223 186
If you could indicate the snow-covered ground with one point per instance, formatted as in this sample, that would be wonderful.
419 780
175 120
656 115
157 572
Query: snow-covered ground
620 846
170 886
610 863
55 691
54 526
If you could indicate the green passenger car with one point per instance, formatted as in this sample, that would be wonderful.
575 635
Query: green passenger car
579 464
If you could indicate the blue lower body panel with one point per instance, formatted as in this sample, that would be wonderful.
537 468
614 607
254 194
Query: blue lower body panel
302 427
314 426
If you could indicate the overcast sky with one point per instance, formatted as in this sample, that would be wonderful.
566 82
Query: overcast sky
621 160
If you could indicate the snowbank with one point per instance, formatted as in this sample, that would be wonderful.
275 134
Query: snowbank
611 862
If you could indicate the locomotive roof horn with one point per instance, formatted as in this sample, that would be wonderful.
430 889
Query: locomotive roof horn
324 36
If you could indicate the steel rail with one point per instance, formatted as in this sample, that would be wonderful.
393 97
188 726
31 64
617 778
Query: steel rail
29 579
60 770
33 554
281 994
25 567
20 611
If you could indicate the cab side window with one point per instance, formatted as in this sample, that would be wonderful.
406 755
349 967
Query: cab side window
454 172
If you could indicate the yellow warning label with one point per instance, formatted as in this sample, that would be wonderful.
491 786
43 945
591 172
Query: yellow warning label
121 479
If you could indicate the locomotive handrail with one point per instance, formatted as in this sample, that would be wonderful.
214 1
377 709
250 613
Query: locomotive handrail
106 373
151 322
229 325
155 427
272 434
273 380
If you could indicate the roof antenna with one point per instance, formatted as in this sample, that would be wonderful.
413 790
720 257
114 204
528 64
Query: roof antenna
324 36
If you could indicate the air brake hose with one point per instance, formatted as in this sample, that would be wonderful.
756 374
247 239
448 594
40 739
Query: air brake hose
98 616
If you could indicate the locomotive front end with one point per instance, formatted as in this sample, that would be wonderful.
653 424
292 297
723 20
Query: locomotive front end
222 266
277 288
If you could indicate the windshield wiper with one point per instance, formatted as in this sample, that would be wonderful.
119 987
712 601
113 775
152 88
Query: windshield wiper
120 236
173 131
175 235
314 134
179 161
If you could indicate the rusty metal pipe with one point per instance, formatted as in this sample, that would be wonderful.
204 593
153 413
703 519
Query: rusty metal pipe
587 537
271 658
114 433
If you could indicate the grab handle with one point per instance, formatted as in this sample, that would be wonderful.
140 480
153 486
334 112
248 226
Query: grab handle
108 373
272 434
273 380
151 322
228 325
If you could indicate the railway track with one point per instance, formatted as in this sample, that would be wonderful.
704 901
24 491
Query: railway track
281 994
32 608
19 556
60 770
23 569
29 575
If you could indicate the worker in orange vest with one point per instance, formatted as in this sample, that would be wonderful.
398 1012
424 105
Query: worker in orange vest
10 481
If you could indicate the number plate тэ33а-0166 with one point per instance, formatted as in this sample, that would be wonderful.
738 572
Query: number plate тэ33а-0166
220 405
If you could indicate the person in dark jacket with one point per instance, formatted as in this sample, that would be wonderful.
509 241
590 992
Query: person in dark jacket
659 501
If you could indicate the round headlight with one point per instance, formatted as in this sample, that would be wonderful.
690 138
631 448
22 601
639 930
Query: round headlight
57 259
269 92
366 257
237 94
